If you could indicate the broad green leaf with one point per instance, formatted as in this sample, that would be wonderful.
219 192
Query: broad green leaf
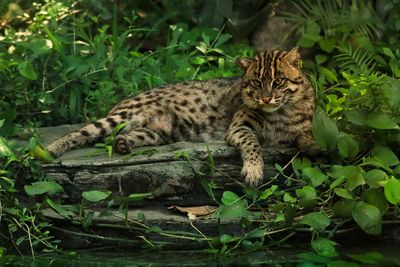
325 130
26 69
386 155
42 187
353 174
392 191
320 59
379 120
357 117
375 197
287 198
307 196
373 177
324 247
344 193
95 195
236 210
308 40
314 176
327 45
317 220
312 27
368 217
140 196
348 146
228 198
355 178
344 208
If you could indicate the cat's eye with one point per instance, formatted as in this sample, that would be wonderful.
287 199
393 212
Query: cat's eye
278 81
256 83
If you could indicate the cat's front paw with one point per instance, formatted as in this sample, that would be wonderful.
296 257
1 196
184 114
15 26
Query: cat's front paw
252 174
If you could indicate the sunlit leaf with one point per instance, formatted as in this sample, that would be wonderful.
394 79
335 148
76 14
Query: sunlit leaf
317 220
95 195
392 191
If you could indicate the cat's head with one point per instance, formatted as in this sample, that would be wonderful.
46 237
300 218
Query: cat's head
272 79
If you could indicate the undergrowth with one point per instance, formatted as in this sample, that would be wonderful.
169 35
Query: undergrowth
78 65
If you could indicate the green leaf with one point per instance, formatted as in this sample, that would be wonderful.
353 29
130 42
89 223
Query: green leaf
228 198
392 191
324 247
373 177
356 117
314 176
368 217
375 197
268 192
26 69
226 238
320 59
39 188
317 220
327 45
235 210
379 120
95 195
353 175
344 193
348 146
386 155
307 196
344 208
140 196
5 150
325 130
388 52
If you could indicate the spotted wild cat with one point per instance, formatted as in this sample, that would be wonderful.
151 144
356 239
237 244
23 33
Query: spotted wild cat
272 104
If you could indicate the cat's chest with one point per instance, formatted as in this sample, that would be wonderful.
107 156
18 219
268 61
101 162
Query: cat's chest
277 130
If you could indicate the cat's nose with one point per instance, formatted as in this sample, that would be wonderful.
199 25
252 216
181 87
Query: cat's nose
266 100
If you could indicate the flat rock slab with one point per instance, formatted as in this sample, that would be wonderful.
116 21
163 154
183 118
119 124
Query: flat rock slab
171 172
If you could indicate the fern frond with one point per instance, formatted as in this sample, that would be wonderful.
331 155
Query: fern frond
360 60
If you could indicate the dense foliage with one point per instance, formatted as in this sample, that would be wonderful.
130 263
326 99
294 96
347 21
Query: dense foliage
62 63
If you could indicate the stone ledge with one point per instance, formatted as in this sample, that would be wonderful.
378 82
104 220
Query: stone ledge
157 170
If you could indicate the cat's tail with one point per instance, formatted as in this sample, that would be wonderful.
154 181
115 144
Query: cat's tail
85 135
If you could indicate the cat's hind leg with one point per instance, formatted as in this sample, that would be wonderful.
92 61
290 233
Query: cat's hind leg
126 141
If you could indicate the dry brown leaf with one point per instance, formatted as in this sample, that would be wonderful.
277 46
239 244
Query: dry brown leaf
195 211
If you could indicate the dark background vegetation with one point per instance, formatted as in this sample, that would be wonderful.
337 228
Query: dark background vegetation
69 61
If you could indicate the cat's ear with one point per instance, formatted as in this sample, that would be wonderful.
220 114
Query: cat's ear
293 57
244 63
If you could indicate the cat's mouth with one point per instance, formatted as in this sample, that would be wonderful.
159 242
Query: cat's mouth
268 105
